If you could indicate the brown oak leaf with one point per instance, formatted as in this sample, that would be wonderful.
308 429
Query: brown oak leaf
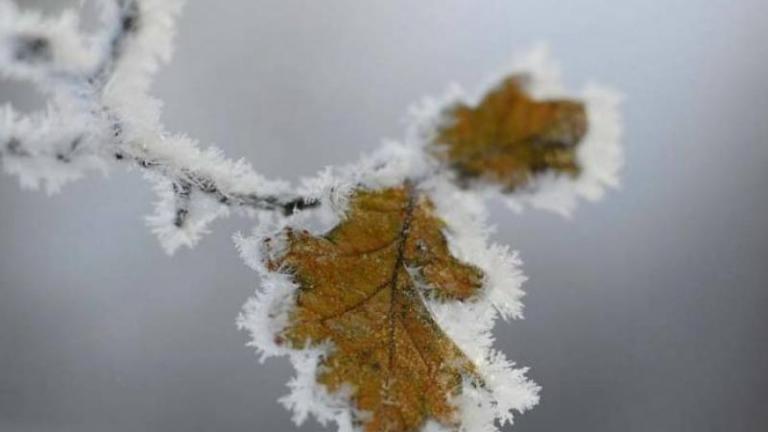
509 138
362 286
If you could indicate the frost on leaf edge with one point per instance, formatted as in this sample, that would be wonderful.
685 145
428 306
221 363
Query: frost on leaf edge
469 324
600 153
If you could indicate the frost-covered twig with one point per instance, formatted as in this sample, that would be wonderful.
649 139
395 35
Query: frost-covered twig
100 113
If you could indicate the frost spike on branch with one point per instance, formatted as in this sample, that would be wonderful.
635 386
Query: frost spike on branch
100 112
522 139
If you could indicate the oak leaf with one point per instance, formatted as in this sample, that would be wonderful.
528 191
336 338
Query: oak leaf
363 286
509 138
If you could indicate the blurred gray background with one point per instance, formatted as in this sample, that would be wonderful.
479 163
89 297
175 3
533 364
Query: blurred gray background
646 312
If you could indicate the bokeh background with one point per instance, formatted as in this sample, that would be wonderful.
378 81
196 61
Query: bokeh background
646 312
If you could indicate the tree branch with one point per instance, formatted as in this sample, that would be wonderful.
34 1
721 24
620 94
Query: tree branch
90 122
